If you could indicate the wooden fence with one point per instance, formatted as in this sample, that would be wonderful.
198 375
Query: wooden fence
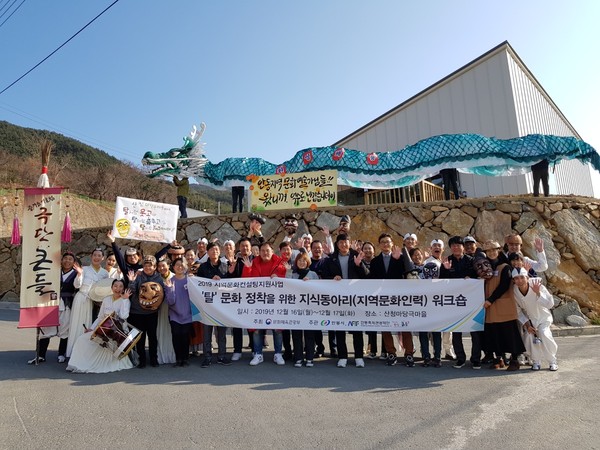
423 191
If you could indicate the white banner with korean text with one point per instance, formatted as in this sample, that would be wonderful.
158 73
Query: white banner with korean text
362 305
40 267
145 221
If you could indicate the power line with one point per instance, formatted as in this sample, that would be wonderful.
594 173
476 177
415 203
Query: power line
65 131
5 4
61 46
7 9
11 14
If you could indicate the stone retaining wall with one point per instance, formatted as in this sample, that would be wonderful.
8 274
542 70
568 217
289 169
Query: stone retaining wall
569 226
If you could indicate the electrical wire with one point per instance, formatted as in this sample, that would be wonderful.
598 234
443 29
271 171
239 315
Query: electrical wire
4 5
7 9
61 46
65 131
11 14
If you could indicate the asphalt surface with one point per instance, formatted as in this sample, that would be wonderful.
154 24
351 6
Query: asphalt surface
270 406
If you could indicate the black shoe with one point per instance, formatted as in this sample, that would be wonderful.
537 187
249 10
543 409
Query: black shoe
459 364
287 355
185 363
224 361
449 357
410 361
476 365
426 362
141 365
177 364
333 354
437 362
154 363
391 360
205 363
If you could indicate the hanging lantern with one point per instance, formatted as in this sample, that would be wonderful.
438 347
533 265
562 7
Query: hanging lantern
65 236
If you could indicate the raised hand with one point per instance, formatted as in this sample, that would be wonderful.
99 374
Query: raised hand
110 237
447 264
535 284
358 258
538 243
127 292
77 268
232 266
396 252
247 262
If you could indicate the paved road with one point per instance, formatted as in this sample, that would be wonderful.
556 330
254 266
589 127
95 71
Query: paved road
285 407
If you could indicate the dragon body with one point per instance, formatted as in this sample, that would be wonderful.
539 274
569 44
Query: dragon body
469 153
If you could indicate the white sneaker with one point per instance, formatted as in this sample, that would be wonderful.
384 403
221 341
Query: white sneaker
298 363
236 356
342 362
535 366
359 362
309 363
258 358
61 359
553 367
278 359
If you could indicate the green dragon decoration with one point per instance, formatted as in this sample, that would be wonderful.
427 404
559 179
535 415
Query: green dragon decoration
469 153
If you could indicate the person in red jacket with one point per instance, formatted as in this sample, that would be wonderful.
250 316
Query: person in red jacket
267 264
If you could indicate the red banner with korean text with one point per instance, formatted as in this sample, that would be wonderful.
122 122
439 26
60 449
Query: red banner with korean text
40 269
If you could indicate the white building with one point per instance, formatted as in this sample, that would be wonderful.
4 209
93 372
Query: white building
496 96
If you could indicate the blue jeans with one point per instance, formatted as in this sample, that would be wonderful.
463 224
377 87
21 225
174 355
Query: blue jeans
257 341
437 344
182 202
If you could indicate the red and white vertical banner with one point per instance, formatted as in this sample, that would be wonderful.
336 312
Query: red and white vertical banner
40 269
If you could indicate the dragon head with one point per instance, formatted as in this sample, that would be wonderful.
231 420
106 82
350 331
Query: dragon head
187 160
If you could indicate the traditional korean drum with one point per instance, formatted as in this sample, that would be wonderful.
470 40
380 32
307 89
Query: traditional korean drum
111 334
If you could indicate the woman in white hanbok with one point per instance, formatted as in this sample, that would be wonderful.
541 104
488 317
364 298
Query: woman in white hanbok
81 312
533 306
166 352
88 356
112 268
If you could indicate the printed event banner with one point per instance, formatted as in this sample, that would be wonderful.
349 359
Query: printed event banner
307 190
142 220
365 305
40 269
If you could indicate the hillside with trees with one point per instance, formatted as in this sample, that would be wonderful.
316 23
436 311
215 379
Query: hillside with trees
88 172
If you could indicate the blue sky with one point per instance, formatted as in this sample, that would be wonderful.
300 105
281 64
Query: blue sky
270 78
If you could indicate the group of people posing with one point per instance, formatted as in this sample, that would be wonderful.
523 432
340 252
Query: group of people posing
517 305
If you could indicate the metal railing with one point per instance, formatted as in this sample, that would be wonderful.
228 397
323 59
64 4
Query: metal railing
423 191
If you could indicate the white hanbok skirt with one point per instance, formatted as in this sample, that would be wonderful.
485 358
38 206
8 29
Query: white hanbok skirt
81 314
166 352
89 357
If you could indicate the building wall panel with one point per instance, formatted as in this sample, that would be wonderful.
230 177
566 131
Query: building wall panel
494 97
